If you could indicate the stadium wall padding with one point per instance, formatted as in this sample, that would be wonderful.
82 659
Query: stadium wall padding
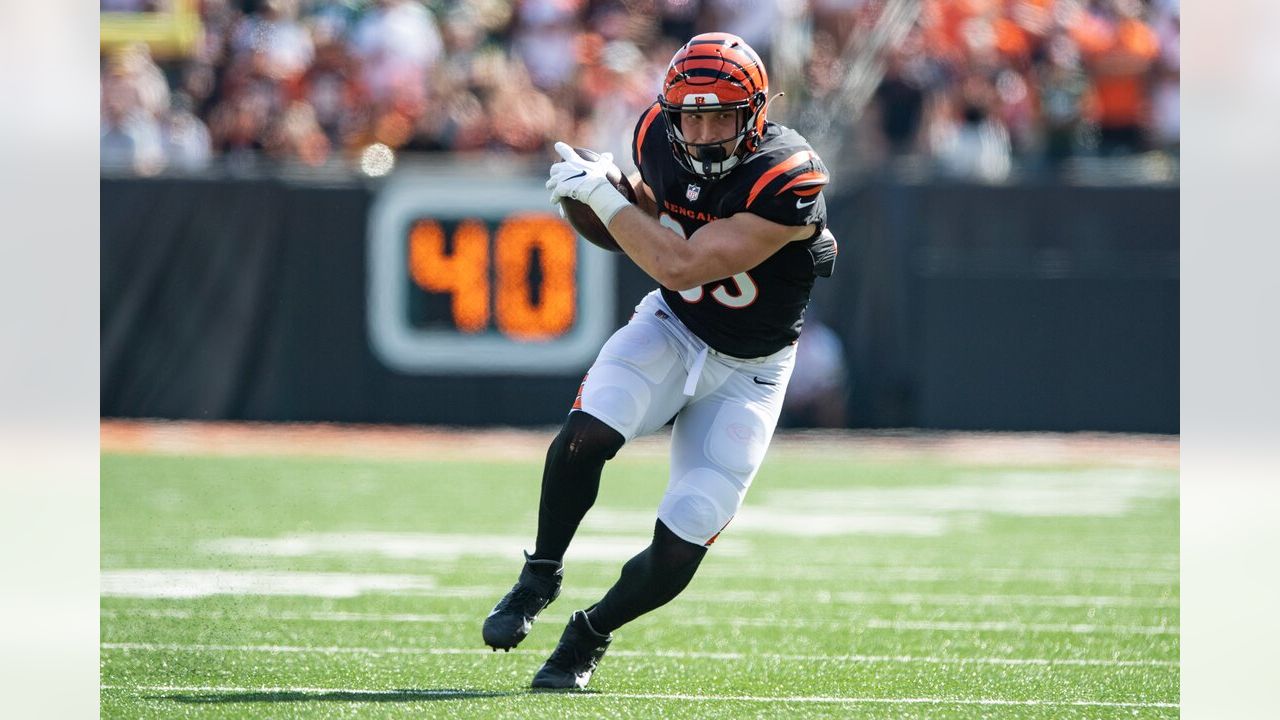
1028 307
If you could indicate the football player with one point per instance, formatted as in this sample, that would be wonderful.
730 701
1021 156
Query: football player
731 224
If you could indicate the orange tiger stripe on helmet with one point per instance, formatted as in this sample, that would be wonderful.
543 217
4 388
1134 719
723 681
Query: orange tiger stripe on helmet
750 67
728 53
713 62
734 66
727 41
794 161
723 72
739 58
729 87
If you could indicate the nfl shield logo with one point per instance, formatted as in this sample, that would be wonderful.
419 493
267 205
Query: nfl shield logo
693 192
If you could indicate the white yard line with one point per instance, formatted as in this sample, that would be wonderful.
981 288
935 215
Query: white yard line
872 623
931 625
1002 600
160 583
824 597
1099 560
584 696
673 654
936 573
178 614
193 583
1077 629
1092 562
821 598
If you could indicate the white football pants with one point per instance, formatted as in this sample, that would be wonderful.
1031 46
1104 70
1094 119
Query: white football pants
726 410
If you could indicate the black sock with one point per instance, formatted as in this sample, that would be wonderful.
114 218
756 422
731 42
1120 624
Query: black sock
571 480
648 581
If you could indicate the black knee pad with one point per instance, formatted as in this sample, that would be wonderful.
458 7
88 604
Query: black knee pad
583 438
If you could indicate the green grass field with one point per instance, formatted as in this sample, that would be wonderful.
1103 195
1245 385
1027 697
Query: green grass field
285 586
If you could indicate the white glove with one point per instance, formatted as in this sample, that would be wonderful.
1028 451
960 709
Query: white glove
587 182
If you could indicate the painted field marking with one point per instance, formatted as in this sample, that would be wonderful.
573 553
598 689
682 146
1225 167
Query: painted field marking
671 654
869 598
448 547
612 548
1103 559
824 597
649 696
871 623
988 574
191 583
179 614
1078 629
855 597
1100 559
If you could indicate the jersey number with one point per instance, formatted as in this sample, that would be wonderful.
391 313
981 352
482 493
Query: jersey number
745 291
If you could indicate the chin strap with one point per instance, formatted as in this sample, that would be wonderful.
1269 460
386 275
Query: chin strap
718 168
712 155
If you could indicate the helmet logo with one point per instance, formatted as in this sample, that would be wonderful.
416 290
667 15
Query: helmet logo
693 192
701 99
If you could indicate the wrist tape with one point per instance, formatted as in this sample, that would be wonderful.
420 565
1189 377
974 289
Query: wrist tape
606 201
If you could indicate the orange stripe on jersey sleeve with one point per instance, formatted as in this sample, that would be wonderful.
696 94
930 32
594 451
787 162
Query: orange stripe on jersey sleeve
810 178
775 171
644 128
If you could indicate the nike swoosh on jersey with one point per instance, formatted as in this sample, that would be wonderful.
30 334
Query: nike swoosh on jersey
802 204
763 382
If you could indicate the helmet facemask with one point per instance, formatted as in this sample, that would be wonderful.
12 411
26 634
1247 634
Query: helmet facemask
711 160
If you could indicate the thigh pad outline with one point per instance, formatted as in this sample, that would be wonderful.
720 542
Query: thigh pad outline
737 440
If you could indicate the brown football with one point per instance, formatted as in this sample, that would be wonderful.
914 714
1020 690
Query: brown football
584 219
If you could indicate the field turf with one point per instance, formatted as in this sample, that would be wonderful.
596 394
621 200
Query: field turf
307 586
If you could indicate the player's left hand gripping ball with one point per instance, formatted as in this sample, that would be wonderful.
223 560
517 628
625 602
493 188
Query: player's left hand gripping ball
578 177
590 190
589 181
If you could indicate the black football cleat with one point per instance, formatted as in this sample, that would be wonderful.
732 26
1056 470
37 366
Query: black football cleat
512 618
575 658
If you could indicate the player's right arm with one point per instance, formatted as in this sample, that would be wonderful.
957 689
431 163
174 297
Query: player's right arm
719 249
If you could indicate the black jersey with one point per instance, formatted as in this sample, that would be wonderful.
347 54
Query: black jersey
760 311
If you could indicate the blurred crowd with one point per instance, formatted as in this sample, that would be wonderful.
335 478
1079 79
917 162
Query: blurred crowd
973 85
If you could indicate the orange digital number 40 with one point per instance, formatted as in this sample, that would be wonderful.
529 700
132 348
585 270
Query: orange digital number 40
464 274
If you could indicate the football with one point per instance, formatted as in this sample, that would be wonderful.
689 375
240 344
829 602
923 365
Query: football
584 220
